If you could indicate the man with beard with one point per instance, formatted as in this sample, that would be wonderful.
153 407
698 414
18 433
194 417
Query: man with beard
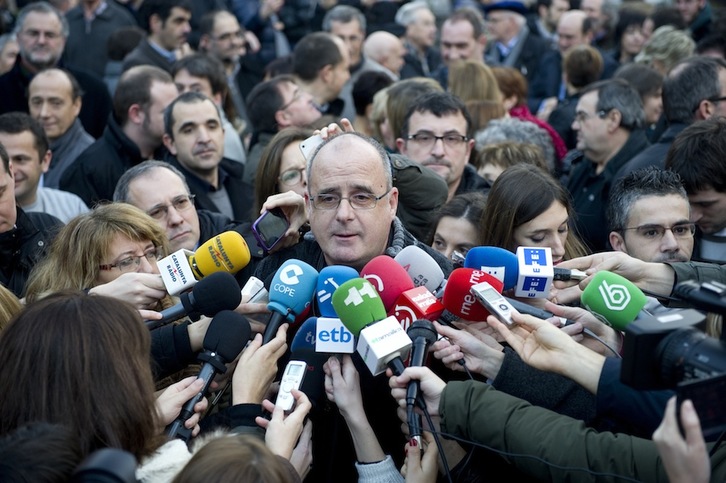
649 216
133 134
437 134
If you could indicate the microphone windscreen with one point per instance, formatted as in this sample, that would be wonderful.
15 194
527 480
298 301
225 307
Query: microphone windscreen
227 335
388 277
329 279
226 252
421 267
423 328
292 288
305 335
495 261
457 295
358 304
614 298
214 293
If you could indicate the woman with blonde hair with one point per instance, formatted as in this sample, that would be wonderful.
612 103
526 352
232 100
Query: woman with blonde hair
473 81
115 245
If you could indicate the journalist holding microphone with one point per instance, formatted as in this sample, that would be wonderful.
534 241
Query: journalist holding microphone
556 447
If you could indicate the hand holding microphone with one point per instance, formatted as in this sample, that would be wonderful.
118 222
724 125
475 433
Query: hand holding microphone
226 252
291 291
481 352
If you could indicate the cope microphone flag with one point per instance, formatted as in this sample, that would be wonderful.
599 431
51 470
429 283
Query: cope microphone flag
291 292
226 252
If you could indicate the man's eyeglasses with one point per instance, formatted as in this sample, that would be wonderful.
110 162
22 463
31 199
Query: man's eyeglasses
358 201
180 203
291 177
710 99
656 232
296 96
427 139
132 263
582 116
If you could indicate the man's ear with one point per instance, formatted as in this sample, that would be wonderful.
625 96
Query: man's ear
45 161
281 119
401 146
155 23
204 42
169 143
617 242
136 114
326 73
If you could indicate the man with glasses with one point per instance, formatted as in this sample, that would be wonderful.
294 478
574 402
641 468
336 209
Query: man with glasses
697 155
272 106
437 134
694 90
649 216
161 190
609 121
222 37
42 32
351 204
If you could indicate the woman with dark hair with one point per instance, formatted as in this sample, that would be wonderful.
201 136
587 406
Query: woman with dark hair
629 36
649 84
528 207
83 362
282 166
456 225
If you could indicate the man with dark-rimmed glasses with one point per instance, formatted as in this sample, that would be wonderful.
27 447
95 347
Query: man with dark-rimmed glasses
609 120
351 204
437 133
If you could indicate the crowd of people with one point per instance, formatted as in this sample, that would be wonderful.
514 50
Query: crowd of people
133 131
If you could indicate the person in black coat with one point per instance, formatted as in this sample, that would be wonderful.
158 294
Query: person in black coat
40 51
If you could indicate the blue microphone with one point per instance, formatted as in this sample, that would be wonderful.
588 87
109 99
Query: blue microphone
302 348
498 262
329 279
291 291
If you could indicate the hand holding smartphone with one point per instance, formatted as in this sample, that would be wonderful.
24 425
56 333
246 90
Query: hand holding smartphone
269 228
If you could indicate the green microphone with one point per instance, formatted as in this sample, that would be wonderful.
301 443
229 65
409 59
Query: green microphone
358 304
613 299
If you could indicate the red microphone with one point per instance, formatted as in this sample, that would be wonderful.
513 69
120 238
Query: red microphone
457 295
414 304
388 277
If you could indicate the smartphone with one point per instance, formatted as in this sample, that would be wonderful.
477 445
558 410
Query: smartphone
292 378
497 305
269 228
309 145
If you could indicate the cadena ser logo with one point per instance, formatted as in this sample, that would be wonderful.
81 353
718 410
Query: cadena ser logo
615 296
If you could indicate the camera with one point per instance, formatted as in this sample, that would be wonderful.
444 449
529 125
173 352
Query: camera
669 350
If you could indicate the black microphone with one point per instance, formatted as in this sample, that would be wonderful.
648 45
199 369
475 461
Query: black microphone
212 294
422 334
707 296
227 335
